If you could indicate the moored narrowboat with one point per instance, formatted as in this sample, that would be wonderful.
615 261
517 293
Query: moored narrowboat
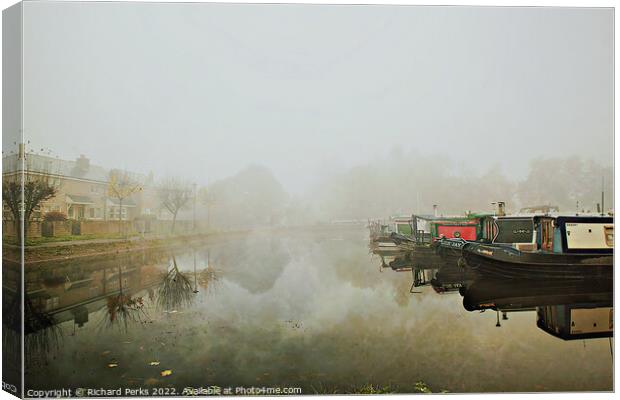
381 231
427 231
573 247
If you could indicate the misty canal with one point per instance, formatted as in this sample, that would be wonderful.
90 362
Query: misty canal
309 309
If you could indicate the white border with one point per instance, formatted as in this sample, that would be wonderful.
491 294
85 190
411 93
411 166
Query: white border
511 3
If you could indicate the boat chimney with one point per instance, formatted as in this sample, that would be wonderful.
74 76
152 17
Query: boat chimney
603 195
435 210
501 209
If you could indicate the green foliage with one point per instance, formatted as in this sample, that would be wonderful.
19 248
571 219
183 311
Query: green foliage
65 238
372 389
55 216
421 387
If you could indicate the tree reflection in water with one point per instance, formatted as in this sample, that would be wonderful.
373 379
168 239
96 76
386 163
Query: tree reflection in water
176 290
42 335
123 310
209 277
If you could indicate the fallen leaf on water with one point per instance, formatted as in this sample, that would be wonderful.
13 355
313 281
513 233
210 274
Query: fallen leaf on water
105 353
166 372
154 363
112 365
151 381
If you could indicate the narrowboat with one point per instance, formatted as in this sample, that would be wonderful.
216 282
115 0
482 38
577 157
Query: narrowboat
570 247
510 230
428 230
449 247
381 231
387 254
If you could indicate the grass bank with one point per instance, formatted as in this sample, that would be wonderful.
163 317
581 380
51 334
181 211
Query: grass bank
79 246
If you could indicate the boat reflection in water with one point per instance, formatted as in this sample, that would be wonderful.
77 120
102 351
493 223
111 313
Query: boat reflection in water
565 308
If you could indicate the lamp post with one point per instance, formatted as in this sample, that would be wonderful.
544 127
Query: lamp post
194 210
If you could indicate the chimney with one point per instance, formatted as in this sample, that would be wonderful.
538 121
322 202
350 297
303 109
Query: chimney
82 163
501 208
435 210
21 151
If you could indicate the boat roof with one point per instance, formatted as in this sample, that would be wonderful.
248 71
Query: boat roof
400 218
559 215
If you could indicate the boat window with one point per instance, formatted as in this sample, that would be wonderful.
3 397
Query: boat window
514 231
609 236
488 230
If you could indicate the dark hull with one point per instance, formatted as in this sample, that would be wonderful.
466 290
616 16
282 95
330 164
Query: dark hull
450 250
424 256
504 262
451 278
420 258
515 294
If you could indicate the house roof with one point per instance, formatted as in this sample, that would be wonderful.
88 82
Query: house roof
75 199
65 168
126 202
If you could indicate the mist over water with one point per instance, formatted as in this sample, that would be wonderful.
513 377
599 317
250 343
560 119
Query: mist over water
311 310
280 130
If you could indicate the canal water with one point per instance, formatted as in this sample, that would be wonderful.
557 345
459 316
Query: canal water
311 310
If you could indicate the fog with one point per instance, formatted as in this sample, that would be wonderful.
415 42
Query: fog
348 111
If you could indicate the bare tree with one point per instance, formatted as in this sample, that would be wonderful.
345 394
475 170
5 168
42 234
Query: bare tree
122 186
174 195
37 188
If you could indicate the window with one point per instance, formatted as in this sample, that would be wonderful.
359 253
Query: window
92 213
51 303
609 236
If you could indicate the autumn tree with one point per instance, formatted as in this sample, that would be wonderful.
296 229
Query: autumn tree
174 195
122 186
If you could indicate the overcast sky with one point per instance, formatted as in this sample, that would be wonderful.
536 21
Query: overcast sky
202 90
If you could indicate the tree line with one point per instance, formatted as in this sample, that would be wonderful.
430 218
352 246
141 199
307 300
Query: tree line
398 184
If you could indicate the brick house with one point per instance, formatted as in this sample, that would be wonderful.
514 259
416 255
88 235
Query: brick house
83 189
